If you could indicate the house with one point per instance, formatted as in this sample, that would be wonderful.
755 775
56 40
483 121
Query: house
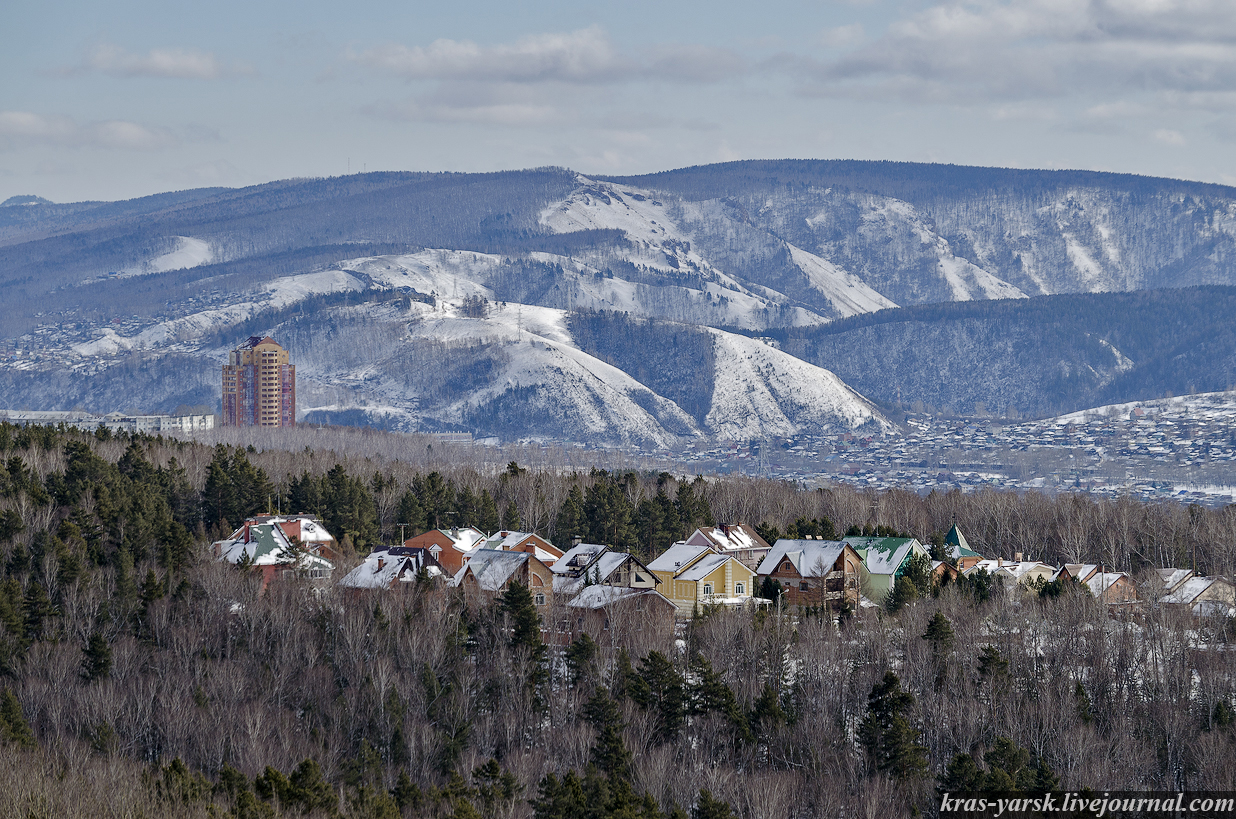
1112 587
1204 596
305 530
450 547
1081 572
884 559
388 567
266 548
1021 571
1172 578
943 573
622 615
959 550
739 540
529 542
815 572
489 572
587 564
692 575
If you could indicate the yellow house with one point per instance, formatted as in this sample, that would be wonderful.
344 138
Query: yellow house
696 575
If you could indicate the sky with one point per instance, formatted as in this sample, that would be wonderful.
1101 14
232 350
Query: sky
132 97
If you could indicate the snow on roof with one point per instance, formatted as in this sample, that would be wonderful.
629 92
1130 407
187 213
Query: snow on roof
397 562
1174 577
676 557
267 546
492 568
1190 590
595 597
732 538
1100 582
884 555
811 558
705 566
577 558
464 540
958 546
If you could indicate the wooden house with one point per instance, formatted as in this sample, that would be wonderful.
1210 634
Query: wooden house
266 548
884 559
622 616
815 572
450 547
1204 596
489 572
1112 588
587 564
530 542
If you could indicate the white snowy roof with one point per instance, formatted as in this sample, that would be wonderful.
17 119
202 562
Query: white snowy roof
595 597
1100 582
403 567
505 539
492 568
677 556
1174 577
730 538
1190 590
267 546
464 540
577 558
884 555
705 566
811 558
1078 571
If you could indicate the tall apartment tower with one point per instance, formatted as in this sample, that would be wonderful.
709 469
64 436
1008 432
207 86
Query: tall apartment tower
259 386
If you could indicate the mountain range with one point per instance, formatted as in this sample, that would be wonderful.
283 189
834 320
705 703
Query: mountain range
732 301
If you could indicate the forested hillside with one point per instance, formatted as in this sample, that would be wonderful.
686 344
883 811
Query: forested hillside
1036 357
128 656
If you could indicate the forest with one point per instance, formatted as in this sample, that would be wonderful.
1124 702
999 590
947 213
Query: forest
140 677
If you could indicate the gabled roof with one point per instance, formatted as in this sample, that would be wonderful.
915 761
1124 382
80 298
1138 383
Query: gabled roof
492 568
578 558
1173 577
1099 582
678 557
597 597
267 545
382 567
1188 591
884 555
729 538
1081 572
704 567
811 558
599 571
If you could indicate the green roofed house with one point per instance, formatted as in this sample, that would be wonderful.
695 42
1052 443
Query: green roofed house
884 560
963 556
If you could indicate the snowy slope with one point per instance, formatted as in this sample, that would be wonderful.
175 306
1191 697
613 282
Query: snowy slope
761 391
848 293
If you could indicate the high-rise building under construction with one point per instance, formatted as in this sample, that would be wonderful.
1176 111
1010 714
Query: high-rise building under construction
259 386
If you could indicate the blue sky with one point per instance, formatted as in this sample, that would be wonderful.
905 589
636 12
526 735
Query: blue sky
111 101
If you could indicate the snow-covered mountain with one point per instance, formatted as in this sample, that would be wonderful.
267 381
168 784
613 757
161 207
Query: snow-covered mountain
449 300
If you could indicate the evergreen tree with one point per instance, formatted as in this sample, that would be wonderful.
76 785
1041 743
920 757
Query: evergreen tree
608 754
96 658
939 633
658 687
709 807
13 725
572 520
510 517
520 609
411 513
487 513
890 740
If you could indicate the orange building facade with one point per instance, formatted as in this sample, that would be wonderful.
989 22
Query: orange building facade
259 385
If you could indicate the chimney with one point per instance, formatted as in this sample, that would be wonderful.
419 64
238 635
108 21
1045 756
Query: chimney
1017 557
381 562
576 540
999 562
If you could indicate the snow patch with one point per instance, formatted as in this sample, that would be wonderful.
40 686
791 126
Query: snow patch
848 293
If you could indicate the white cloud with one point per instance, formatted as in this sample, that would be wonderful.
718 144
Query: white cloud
180 63
968 51
1168 136
583 56
25 128
841 36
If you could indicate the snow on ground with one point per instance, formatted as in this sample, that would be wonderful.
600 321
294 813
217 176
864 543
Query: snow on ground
447 273
1206 405
188 252
761 391
847 292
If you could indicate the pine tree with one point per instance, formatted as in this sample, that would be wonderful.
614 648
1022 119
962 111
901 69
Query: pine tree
939 633
890 740
96 658
709 807
572 520
608 754
13 724
510 517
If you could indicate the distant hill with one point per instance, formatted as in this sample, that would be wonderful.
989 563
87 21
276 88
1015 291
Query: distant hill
1038 291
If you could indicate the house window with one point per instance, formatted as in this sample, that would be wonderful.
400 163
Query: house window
804 586
740 588
708 590
540 599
